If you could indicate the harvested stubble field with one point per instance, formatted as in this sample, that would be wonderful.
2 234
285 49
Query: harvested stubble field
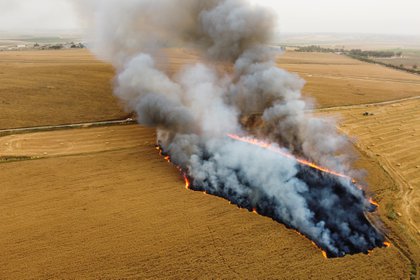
100 202
69 86
336 80
54 87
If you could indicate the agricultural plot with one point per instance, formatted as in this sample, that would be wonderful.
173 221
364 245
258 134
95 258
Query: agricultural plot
335 80
54 87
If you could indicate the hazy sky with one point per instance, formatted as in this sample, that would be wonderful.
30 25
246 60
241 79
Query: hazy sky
350 16
23 15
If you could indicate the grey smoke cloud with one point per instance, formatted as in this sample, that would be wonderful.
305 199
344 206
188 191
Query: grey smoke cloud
195 109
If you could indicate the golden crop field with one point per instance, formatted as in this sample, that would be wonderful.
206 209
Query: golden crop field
54 87
69 86
336 80
88 202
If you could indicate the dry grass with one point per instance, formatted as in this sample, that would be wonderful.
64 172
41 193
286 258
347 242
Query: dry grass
69 86
71 142
54 87
334 80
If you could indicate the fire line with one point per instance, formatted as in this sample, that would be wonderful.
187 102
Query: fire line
277 150
272 148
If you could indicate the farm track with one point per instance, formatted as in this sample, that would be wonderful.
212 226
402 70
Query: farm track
23 130
38 143
358 78
366 105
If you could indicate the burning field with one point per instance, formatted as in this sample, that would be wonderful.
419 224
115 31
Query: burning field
197 109
332 199
92 201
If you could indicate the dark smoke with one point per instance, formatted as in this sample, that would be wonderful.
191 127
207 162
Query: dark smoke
194 110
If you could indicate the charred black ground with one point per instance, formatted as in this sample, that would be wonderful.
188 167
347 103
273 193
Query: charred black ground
341 209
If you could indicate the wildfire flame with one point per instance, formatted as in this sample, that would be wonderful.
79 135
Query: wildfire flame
168 159
387 244
324 254
373 202
275 149
187 182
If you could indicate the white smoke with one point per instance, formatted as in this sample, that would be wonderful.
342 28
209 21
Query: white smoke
194 109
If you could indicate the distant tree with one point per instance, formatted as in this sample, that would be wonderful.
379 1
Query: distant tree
360 53
36 45
56 47
401 65
415 66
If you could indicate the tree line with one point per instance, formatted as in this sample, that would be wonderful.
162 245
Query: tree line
366 56
355 52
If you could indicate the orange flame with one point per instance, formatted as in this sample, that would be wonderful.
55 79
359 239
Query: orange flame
159 149
387 244
187 182
324 254
275 149
373 202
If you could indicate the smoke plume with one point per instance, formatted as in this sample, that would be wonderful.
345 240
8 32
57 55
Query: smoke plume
195 109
